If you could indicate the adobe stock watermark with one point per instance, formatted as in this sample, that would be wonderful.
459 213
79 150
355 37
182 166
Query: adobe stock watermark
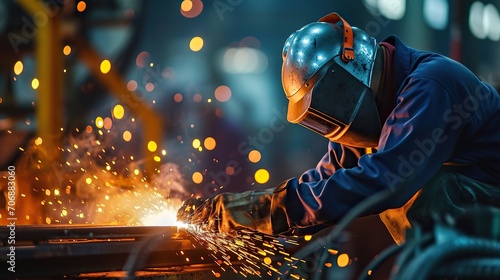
11 217
277 123
223 6
31 23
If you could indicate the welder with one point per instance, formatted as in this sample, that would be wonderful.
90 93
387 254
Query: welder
412 121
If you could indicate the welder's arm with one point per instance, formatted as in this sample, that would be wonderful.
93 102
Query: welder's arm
260 210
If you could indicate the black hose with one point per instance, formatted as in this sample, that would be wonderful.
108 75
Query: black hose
382 257
336 231
412 248
460 247
479 268
140 253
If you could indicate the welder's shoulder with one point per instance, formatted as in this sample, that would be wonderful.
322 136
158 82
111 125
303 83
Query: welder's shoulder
443 70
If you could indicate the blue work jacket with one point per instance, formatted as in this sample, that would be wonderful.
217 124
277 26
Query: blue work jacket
443 114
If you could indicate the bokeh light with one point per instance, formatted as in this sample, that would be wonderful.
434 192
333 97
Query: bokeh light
99 122
18 68
66 50
254 156
197 98
105 66
35 83
196 143
108 123
261 176
142 59
118 111
209 143
127 135
152 146
196 44
178 97
222 93
191 8
81 6
343 260
132 85
197 177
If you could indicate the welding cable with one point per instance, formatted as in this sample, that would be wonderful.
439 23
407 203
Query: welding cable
461 247
139 254
382 257
481 268
406 251
412 247
337 230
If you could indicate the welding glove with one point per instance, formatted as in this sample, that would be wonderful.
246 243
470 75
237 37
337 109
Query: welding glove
260 210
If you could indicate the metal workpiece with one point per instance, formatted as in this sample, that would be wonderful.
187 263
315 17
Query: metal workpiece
68 251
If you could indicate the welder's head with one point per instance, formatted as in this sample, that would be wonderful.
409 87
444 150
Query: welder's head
326 74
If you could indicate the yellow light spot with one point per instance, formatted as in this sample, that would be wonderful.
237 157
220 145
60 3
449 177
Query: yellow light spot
88 180
254 156
81 6
56 192
196 44
18 67
35 83
164 152
47 220
38 141
47 192
267 260
157 158
127 136
307 237
136 172
186 5
99 122
64 213
99 209
328 264
106 197
209 143
196 143
343 260
118 111
197 177
105 66
369 272
261 176
152 146
66 50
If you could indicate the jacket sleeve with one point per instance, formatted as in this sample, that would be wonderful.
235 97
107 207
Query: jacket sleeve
417 138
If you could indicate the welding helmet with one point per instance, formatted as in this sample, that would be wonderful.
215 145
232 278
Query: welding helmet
326 75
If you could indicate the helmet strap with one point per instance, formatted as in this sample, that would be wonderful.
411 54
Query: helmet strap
348 42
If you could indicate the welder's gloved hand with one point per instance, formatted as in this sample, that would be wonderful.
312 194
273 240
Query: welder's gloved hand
260 210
